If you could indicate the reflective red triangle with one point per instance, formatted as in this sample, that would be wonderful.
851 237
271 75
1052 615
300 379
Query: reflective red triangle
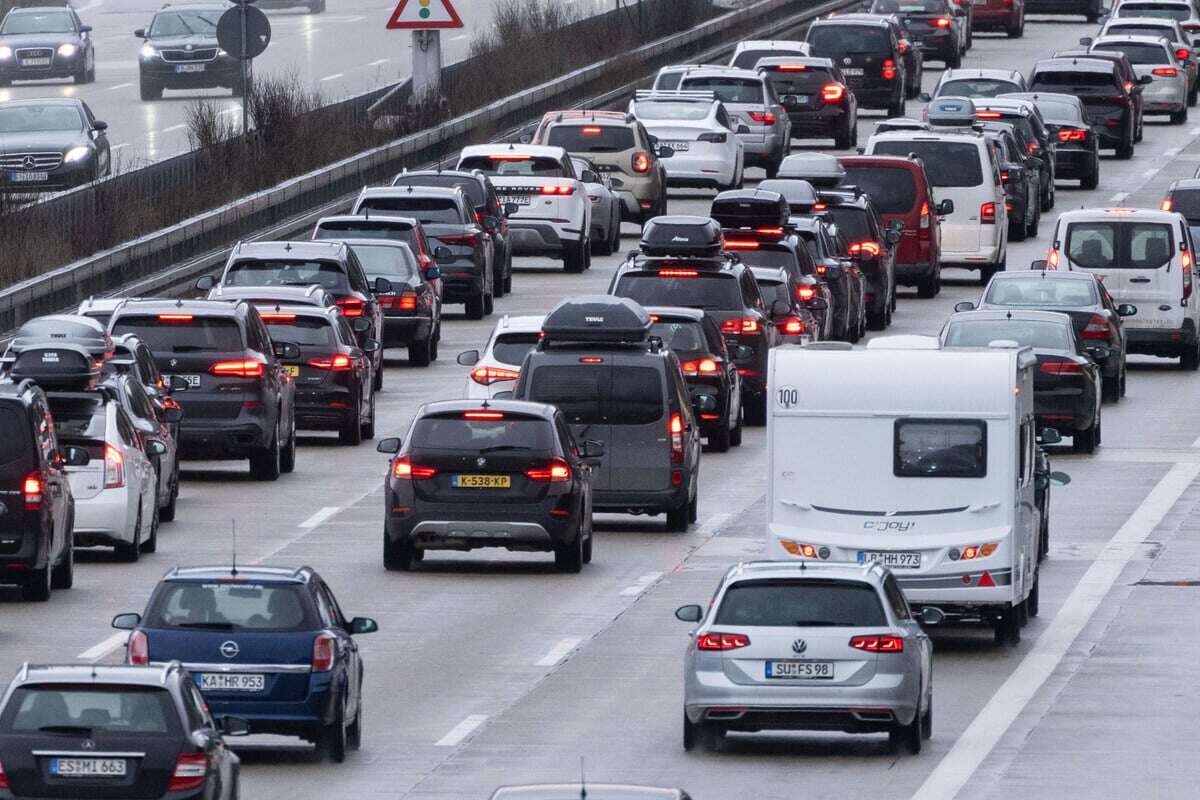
986 579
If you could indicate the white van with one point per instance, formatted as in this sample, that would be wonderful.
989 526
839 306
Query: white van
1145 258
961 169
918 457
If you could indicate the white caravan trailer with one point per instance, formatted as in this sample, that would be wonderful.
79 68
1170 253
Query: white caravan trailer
916 457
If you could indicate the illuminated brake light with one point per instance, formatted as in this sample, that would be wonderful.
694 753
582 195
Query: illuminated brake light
191 770
743 325
722 641
276 318
335 363
556 189
703 366
1004 176
819 206
1182 54
32 489
1060 368
352 306
794 326
591 360
889 69
459 239
940 22
1097 328
869 248
987 114
805 293
641 162
175 317
677 273
557 471
324 652
1166 205
591 130
242 368
114 468
878 644
987 214
832 92
792 68
675 428
1185 258
769 231
1165 72
487 415
139 648
4 784
1052 259
486 376
510 158
404 469
923 224
740 244
763 117
1072 135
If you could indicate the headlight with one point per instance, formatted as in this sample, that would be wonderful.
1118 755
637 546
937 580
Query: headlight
148 51
221 53
5 52
67 50
77 154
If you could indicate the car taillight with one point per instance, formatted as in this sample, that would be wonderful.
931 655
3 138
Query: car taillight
902 46
743 325
334 363
114 468
556 189
641 161
1004 176
721 641
1191 27
1060 368
878 644
702 366
174 317
833 92
4 784
1183 53
1185 258
987 213
864 248
1166 72
675 428
940 22
763 117
714 137
1166 205
557 471
191 769
1052 259
241 368
277 318
1072 135
1097 328
324 652
139 648
794 326
404 469
486 376
352 306
923 224
678 273
805 293
399 302
889 69
460 239
32 489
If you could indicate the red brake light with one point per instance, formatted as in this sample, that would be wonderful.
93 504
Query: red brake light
1004 177
1166 72
743 325
489 375
763 117
1097 328
869 248
591 130
114 468
1060 368
923 224
792 68
677 273
987 213
940 22
460 239
510 158
832 92
490 415
1182 53
805 293
323 653
703 366
769 231
878 644
557 471
902 46
987 115
675 428
33 492
721 641
404 469
242 368
1072 135
794 326
557 189
819 206
641 162
336 363
889 69
402 302
276 318
352 306
175 317
591 360
191 769
139 648
740 244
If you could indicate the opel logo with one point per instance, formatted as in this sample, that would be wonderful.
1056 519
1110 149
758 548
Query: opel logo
230 649
481 462
88 744
28 163
799 646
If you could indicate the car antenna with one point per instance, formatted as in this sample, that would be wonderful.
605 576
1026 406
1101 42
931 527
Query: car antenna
582 781
233 528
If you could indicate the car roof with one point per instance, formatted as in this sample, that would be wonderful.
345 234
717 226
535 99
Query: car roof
856 18
247 573
1186 184
512 406
808 61
1187 3
1025 315
593 791
329 313
771 44
769 274
378 216
536 150
1158 22
1141 214
965 72
42 101
1060 97
1074 64
1131 38
317 249
693 314
410 190
154 675
269 293
193 7
1004 104
849 570
520 323
615 119
208 308
38 9
723 72
1048 275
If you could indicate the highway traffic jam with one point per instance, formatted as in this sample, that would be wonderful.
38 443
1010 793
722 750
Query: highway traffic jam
695 348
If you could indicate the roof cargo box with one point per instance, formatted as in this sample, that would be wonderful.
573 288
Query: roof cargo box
821 170
597 318
798 194
750 208
698 237
56 329
55 366
951 112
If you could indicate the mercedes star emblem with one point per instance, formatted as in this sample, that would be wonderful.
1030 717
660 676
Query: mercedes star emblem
88 744
230 649
187 47
28 162
799 646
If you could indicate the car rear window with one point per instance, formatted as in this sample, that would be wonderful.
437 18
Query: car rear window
1120 245
287 272
767 257
909 7
455 432
806 81
89 710
1139 30
1186 202
798 603
947 164
366 230
933 448
473 189
591 138
1059 113
774 291
1027 333
232 605
1138 53
680 335
727 89
426 210
78 418
976 87
893 190
514 165
183 333
747 59
1154 10
383 261
840 40
852 222
1035 291
304 331
1069 81
665 109
589 394
511 348
716 292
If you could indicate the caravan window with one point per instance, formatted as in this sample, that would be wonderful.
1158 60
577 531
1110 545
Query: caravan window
940 448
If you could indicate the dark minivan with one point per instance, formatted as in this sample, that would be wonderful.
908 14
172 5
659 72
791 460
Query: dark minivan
869 53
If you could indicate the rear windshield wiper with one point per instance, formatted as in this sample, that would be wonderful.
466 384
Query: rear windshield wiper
215 626
70 730
816 623
498 447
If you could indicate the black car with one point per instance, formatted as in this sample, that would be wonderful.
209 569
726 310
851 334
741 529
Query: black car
333 374
412 310
101 731
871 246
1077 152
51 144
180 51
935 26
481 192
1111 104
1183 197
795 323
868 51
1090 9
788 252
817 98
240 400
844 279
1020 175
1066 385
502 474
1031 133
708 370
39 42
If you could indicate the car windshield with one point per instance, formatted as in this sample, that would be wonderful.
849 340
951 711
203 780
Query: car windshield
471 187
1038 292
456 432
947 164
1140 30
305 331
1119 245
231 605
386 261
78 418
75 710
668 109
893 190
35 119
1138 52
852 222
183 333
590 395
503 165
716 292
727 89
585 138
976 87
1027 333
511 348
185 23
932 448
683 336
287 272
37 22
426 210
835 41
793 603
1176 12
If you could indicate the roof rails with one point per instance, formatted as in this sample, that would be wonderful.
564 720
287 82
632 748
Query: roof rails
674 94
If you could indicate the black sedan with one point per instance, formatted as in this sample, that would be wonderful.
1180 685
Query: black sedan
502 474
1078 152
39 42
180 51
1066 386
51 144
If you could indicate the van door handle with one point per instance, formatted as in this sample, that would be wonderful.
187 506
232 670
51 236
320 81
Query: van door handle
1139 280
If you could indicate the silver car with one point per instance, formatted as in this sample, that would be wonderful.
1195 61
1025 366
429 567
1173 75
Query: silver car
808 646
606 206
751 100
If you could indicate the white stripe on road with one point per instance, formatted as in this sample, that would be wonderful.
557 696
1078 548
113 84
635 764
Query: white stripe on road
359 18
174 128
1119 197
1171 152
642 584
333 77
102 649
458 38
558 652
378 61
985 731
319 517
119 146
119 86
461 731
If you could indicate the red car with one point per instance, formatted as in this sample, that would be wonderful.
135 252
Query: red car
1000 15
900 190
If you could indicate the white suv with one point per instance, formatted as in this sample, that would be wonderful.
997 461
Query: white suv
549 213
1145 258
496 368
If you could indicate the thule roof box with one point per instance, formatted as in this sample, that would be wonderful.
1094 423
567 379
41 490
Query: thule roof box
54 366
750 208
74 329
596 319
821 170
682 236
951 112
799 194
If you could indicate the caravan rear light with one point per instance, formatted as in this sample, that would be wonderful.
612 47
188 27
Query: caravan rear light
557 471
1060 368
743 325
987 214
641 162
556 189
1097 328
114 468
794 326
799 548
675 428
722 641
404 469
139 648
32 489
833 92
972 551
677 273
486 376
878 644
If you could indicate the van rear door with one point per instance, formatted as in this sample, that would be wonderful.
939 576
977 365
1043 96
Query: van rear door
579 388
1137 261
639 456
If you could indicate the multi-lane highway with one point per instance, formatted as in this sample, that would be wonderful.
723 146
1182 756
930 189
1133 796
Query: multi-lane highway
492 668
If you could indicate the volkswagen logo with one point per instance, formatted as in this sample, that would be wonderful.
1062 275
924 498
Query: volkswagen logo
799 646
28 162
230 649
481 462
88 744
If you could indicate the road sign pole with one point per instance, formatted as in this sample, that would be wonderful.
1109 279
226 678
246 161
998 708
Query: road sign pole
427 64
245 64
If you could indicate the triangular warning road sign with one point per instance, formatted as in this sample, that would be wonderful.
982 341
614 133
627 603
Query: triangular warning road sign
424 15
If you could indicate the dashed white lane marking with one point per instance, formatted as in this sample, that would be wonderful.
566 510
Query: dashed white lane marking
359 18
558 652
1118 197
1171 152
119 86
460 37
102 649
320 517
462 730
976 742
174 128
333 77
378 61
641 585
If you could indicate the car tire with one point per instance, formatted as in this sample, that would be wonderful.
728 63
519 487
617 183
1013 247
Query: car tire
420 353
37 587
368 425
1110 389
691 734
897 108
1033 601
167 512
150 90
1179 117
81 75
575 259
927 286
1092 179
151 543
398 555
350 434
489 303
1087 441
1190 360
1017 231
907 736
1194 94
1125 150
694 508
1016 31
718 442
927 720
63 575
1031 230
265 463
677 519
1008 629
287 456
333 736
985 275
497 280
474 307
845 139
954 61
508 272
131 551
354 732
569 557
603 247
735 435
587 543
1044 538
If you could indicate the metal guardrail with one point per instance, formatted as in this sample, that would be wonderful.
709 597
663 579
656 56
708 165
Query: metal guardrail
165 259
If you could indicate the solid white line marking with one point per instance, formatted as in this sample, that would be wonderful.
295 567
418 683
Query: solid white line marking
174 128
1194 132
353 19
333 77
1118 197
461 731
985 731
378 61
458 38
319 517
119 86
102 649
1171 152
558 652
642 584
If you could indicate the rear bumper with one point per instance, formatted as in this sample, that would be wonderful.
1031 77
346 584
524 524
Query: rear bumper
648 502
1073 405
283 717
1167 343
323 409
539 238
988 256
702 173
521 527
1073 163
400 331
462 281
103 519
908 274
235 438
819 123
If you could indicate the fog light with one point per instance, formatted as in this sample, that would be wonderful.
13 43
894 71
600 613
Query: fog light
823 552
953 554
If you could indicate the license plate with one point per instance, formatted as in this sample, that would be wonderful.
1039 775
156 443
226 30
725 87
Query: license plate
88 767
293 370
518 199
802 99
892 559
193 381
852 72
29 177
230 682
481 481
678 147
189 68
800 670
35 62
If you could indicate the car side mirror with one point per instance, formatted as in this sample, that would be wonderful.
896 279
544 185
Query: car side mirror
361 324
931 616
442 253
140 33
205 282
173 414
1040 264
99 126
945 207
510 209
361 625
126 622
692 613
468 358
156 448
925 97
664 151
286 350
234 726
742 128
75 456
1049 436
371 346
818 304
892 236
1060 478
1126 310
1098 352
382 286
592 449
704 403
433 273
965 305
1086 41
742 352
1145 80
587 176
178 383
390 445
503 396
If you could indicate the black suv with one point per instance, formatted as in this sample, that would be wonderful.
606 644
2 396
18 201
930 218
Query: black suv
37 525
818 101
869 54
1111 104
845 280
181 52
504 474
240 400
871 245
114 731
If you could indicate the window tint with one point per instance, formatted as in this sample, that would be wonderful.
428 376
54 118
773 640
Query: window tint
1186 202
473 189
659 109
773 291
14 435
793 603
1059 113
976 87
668 80
79 418
515 165
680 336
200 22
589 395
948 164
287 272
1092 245
35 119
381 261
909 7
839 40
764 257
426 210
1138 53
113 710
928 448
717 292
230 606
304 331
1065 79
1038 292
852 222
197 334
452 432
1155 10
894 191
1027 333
353 229
808 81
895 598
636 397
511 348
591 138
727 90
